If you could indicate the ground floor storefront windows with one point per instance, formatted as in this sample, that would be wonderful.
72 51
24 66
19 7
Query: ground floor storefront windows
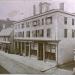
6 47
41 50
50 52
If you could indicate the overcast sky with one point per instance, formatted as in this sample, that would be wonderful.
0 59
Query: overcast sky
19 9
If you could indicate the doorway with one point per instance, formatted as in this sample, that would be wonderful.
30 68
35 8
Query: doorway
40 51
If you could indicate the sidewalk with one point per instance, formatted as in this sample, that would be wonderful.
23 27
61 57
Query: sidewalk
31 62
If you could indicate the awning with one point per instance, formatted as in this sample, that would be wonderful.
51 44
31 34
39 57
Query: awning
36 39
7 42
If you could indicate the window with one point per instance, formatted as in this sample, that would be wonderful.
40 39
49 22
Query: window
20 34
65 20
38 22
48 32
34 33
34 23
28 34
48 20
73 33
41 33
42 21
65 33
72 21
27 24
22 25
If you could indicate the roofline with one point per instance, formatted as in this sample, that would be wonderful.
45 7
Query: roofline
47 12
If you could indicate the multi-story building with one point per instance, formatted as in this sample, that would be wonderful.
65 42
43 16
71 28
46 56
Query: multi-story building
49 35
6 39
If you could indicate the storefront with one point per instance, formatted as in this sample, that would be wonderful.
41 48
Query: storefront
42 50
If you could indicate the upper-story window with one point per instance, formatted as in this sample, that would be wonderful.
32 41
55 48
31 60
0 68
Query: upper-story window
42 21
34 33
65 20
21 34
48 20
38 22
65 33
28 34
27 24
35 23
73 33
72 21
15 26
41 33
48 32
22 25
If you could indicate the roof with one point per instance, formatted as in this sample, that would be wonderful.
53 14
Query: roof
48 12
6 32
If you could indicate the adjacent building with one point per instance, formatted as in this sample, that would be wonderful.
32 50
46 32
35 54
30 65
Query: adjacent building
7 22
49 35
6 39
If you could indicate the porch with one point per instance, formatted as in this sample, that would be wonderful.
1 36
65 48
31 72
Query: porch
41 50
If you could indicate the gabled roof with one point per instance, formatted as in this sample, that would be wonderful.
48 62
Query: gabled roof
6 32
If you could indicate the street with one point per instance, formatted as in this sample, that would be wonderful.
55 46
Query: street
3 71
16 67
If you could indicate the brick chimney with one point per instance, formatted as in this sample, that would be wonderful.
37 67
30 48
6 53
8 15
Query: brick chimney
40 7
34 10
43 7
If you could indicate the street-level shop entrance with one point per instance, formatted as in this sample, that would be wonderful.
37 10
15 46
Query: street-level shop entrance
50 52
42 50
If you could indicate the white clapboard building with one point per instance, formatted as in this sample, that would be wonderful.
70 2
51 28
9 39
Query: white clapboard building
49 35
6 39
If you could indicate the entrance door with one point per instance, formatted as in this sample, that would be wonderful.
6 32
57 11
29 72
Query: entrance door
51 52
40 51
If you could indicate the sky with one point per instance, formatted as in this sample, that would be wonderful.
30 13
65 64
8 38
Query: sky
19 9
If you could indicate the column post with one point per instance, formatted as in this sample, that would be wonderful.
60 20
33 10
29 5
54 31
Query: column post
14 48
21 47
44 48
29 48
24 49
57 54
38 51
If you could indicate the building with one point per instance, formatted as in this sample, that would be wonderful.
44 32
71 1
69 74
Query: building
74 63
6 39
7 23
49 35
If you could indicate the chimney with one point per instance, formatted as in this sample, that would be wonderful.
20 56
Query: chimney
61 6
43 7
34 10
3 26
40 7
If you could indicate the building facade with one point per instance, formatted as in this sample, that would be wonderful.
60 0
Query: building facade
6 39
49 35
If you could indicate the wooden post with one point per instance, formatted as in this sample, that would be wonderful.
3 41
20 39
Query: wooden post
38 52
14 48
21 48
29 48
44 47
57 53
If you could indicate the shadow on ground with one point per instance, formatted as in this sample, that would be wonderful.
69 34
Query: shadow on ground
68 66
3 71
